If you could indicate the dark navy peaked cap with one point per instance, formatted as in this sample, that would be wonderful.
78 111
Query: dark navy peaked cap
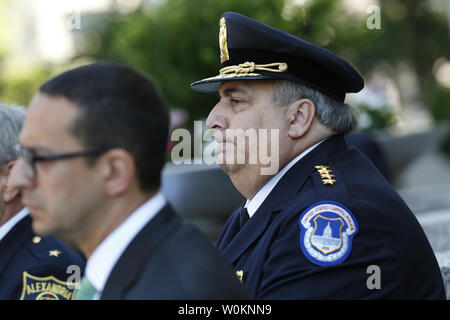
251 50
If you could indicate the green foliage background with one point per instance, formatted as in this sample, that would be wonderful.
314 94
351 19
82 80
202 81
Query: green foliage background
176 43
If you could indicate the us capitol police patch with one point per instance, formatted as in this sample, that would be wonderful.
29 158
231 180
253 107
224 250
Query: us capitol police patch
327 229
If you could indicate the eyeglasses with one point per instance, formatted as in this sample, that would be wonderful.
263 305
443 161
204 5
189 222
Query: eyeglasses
30 160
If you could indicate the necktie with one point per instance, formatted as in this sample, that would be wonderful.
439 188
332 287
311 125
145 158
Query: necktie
243 217
86 291
238 222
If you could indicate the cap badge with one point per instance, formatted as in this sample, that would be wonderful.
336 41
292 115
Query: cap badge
224 55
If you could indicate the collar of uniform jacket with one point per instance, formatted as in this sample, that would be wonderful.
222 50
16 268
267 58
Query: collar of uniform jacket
254 204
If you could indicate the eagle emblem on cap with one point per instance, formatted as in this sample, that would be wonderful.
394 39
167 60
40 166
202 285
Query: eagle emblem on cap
224 55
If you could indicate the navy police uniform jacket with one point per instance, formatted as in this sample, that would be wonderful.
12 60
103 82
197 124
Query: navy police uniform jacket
35 268
333 228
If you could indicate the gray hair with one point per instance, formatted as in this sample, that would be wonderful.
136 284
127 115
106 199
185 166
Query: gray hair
11 121
338 118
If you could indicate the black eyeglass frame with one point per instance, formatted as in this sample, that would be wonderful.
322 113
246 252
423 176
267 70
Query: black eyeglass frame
31 160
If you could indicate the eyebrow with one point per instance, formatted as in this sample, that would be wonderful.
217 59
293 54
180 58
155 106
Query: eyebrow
229 91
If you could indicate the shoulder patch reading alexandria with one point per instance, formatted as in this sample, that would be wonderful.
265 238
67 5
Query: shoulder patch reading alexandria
44 288
326 233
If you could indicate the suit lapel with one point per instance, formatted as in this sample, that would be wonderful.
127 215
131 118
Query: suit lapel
247 235
15 238
230 230
285 190
139 251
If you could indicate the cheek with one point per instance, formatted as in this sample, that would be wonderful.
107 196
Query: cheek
56 196
247 120
276 130
53 182
69 200
60 187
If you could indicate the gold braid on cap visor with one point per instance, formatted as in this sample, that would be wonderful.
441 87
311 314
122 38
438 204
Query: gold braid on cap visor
247 68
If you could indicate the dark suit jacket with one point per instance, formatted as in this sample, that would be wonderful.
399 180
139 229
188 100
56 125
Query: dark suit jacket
28 270
170 259
271 251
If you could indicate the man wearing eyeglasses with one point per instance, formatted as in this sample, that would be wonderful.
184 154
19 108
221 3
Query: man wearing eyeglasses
31 267
91 154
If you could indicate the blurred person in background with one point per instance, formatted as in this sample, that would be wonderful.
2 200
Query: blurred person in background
372 149
31 267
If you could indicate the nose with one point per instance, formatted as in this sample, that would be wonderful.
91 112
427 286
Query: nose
18 179
217 118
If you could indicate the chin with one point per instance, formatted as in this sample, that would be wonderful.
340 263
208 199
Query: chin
231 169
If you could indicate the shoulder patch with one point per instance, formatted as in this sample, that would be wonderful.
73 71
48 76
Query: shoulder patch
45 288
327 229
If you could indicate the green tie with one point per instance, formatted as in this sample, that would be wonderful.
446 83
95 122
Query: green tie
86 291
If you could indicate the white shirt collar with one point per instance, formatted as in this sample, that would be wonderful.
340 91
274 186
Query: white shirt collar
8 225
253 205
106 255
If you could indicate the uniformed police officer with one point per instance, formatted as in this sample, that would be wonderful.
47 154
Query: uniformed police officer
31 267
327 224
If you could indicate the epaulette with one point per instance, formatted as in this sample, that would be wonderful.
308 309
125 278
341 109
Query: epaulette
46 249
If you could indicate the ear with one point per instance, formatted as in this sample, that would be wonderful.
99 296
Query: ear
9 193
300 115
118 171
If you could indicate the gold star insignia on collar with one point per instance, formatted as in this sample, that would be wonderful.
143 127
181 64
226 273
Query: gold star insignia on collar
325 174
328 181
54 253
322 170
